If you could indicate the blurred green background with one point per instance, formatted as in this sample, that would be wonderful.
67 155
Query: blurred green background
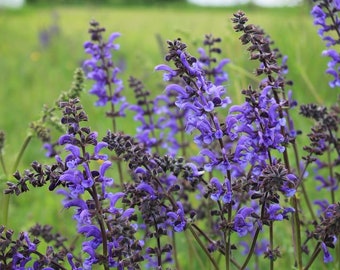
41 46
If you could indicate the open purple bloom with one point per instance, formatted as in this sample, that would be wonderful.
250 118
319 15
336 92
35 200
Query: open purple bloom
217 189
82 214
243 223
113 198
327 257
177 219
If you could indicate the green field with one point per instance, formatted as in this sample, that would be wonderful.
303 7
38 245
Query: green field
32 75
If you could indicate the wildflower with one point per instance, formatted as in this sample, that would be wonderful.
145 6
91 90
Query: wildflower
101 69
243 221
328 229
214 73
177 219
325 15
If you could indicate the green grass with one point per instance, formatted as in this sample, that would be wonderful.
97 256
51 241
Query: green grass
32 76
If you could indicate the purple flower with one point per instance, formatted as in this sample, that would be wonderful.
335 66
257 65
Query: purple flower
82 214
243 221
217 189
177 219
113 198
99 146
100 68
330 183
212 67
327 257
326 16
228 192
50 150
75 181
147 188
333 66
169 72
71 263
276 212
323 205
106 181
201 99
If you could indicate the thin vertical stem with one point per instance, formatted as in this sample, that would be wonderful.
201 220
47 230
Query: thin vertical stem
252 248
314 256
297 233
227 238
271 241
21 153
5 202
101 223
3 165
192 253
200 243
5 205
174 247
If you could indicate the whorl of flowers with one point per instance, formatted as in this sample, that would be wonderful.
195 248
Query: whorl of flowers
102 70
325 13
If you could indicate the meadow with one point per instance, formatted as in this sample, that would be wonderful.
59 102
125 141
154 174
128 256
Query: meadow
33 73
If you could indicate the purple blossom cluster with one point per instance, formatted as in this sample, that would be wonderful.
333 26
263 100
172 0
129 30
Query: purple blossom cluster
101 69
325 15
87 191
229 187
160 124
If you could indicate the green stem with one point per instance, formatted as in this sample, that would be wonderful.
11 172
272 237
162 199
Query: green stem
21 153
252 248
101 223
314 256
174 246
5 205
331 174
3 164
192 253
337 251
222 251
212 260
306 197
297 233
5 202
300 174
271 240
227 237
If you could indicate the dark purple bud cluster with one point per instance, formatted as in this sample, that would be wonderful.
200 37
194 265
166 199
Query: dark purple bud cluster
18 252
146 112
213 68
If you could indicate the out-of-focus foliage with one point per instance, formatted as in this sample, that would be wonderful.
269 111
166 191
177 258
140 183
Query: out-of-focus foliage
106 2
